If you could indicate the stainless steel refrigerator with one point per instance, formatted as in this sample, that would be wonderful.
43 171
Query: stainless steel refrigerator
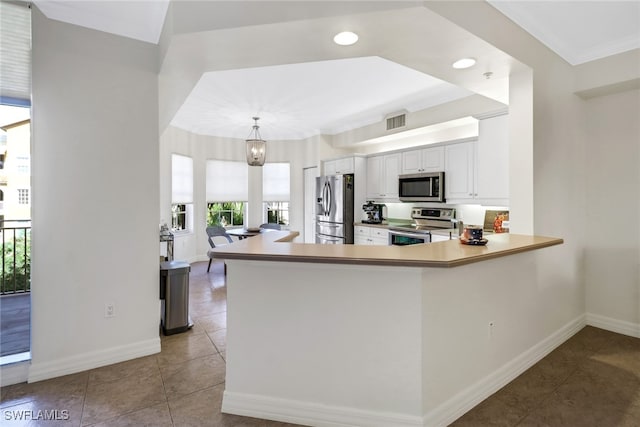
334 209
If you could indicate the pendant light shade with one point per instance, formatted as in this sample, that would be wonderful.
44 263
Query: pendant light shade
256 146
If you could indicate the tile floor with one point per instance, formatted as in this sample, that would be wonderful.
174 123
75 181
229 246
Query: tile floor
591 380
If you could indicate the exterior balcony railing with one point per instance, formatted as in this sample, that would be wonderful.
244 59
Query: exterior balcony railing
15 273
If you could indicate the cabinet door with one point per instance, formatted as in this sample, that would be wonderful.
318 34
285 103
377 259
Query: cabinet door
459 171
492 161
361 235
344 165
379 236
374 170
432 159
390 177
411 161
330 167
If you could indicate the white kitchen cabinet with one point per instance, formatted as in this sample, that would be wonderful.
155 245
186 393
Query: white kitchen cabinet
339 166
382 177
370 235
492 161
423 160
459 172
478 171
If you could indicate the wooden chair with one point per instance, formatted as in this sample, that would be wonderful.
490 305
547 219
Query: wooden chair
216 231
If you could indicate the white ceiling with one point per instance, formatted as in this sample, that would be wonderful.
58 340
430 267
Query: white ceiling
337 95
302 100
578 31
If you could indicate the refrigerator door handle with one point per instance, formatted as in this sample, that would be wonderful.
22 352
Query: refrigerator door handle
329 198
325 198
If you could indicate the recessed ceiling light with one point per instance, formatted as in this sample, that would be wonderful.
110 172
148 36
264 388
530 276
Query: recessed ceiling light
463 63
345 38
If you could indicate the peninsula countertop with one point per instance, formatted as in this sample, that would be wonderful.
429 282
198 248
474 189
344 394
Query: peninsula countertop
278 246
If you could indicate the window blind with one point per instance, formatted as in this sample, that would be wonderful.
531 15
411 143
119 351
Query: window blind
181 179
227 181
276 182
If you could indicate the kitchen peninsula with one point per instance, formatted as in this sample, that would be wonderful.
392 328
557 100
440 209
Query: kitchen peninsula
379 335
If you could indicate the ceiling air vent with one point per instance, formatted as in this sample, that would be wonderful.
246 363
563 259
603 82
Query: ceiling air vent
396 122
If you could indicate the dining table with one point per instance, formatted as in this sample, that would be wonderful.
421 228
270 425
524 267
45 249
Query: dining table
243 233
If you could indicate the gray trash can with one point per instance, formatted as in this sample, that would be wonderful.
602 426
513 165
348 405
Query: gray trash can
174 293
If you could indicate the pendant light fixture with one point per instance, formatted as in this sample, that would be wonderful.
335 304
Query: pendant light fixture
256 146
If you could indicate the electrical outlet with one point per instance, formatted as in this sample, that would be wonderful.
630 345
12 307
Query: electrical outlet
492 325
109 310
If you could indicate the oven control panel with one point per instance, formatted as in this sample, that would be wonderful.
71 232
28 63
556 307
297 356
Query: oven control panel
433 213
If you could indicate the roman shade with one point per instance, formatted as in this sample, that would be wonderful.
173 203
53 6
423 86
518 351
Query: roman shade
181 179
276 182
227 181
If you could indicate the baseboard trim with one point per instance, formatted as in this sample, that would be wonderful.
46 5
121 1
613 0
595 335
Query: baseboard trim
313 414
92 360
614 325
457 406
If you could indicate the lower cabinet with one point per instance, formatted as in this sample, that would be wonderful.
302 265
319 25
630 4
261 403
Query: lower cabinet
370 235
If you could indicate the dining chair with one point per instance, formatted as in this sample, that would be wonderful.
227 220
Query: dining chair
271 226
216 231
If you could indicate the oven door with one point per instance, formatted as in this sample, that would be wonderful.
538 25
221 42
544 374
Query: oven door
403 238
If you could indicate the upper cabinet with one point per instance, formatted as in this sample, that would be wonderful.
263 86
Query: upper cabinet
339 166
382 177
423 160
459 172
357 165
492 161
478 171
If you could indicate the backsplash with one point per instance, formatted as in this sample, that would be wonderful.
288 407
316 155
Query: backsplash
468 214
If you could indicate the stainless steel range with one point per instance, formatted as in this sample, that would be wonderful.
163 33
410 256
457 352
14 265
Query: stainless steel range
425 220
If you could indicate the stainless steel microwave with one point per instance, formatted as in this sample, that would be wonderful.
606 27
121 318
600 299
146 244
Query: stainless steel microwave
421 187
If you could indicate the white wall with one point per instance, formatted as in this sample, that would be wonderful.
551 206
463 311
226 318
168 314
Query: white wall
575 144
611 253
95 198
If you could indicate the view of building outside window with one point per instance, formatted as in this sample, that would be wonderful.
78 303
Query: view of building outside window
226 214
15 200
178 217
15 176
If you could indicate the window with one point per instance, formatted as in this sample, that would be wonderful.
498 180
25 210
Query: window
227 192
23 196
276 184
178 217
277 212
181 192
226 214
23 165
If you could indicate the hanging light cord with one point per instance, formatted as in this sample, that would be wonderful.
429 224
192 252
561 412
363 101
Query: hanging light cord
255 131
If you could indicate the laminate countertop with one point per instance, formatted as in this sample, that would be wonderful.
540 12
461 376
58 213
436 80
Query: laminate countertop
278 246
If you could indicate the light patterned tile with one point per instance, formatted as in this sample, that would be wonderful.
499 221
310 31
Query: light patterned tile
202 408
74 385
61 410
214 322
183 347
197 374
114 398
153 416
142 366
219 338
